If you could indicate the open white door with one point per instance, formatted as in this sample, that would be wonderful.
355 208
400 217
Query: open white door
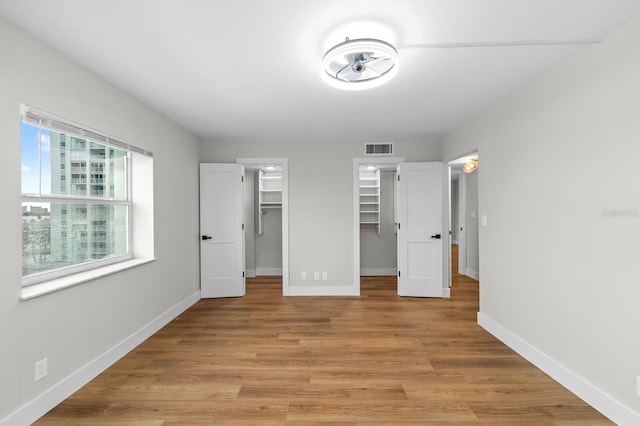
420 229
222 230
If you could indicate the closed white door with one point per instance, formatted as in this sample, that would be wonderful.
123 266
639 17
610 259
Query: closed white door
222 230
420 229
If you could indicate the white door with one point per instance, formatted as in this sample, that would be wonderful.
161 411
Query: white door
420 229
222 230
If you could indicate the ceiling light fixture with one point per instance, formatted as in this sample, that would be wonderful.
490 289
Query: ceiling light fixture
360 64
470 166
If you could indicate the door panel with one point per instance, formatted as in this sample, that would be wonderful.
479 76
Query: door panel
421 229
421 260
221 227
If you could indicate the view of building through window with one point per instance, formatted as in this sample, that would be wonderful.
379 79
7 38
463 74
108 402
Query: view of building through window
74 200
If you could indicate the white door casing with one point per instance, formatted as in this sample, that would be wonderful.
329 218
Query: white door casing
421 232
221 229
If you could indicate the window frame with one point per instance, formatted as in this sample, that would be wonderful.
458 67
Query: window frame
35 117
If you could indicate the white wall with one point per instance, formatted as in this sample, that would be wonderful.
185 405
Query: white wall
320 198
559 184
74 326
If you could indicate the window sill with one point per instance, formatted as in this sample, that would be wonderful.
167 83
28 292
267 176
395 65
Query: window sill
47 287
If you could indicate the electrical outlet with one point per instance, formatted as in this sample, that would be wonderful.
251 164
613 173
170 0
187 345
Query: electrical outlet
303 275
41 369
316 275
324 276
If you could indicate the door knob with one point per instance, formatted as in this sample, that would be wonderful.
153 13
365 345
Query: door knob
206 237
436 236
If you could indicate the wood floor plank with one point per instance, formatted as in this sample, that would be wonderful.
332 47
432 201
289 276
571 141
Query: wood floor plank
377 359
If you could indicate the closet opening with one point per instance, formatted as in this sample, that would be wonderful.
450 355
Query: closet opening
265 218
375 238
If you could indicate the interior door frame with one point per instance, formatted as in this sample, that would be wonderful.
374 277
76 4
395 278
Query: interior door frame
284 163
357 162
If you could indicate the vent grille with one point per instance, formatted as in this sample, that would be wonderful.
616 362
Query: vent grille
378 149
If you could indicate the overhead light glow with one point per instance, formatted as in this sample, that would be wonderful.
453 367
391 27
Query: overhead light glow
470 166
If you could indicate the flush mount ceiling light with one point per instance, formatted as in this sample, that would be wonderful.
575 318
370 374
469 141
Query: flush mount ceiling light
360 64
470 165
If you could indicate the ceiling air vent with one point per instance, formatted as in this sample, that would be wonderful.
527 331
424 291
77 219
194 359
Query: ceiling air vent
378 149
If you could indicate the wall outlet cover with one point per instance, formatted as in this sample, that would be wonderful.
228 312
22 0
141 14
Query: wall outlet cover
41 369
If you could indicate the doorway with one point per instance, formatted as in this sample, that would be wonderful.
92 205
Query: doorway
374 206
266 210
378 233
464 217
418 219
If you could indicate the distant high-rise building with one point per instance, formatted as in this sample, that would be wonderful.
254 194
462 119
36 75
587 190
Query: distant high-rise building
85 230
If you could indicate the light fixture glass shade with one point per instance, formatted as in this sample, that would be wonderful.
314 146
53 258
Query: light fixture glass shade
470 165
360 64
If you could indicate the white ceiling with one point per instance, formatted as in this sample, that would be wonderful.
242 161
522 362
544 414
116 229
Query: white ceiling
250 69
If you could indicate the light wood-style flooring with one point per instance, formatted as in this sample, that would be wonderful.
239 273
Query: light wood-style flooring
377 359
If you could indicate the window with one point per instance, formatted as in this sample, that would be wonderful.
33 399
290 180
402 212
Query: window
77 224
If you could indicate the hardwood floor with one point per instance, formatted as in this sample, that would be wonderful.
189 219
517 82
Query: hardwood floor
370 360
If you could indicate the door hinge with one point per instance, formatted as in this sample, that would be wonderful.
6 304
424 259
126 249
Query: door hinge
398 273
242 274
242 178
398 225
398 178
243 226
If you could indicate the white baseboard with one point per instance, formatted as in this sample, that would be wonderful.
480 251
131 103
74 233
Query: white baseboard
374 272
614 410
250 273
268 271
446 292
39 406
473 274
